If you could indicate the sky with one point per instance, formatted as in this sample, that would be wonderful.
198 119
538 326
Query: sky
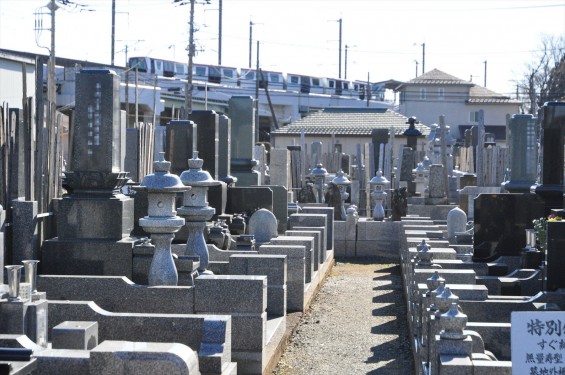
385 39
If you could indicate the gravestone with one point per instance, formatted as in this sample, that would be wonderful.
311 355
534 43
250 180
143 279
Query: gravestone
523 154
280 167
207 139
242 114
296 166
224 150
437 191
180 143
263 225
406 168
456 222
501 221
378 137
555 261
249 199
552 117
316 154
94 220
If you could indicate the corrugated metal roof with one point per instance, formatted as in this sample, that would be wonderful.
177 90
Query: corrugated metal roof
350 122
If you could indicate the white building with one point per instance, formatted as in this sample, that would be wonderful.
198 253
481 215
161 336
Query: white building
436 93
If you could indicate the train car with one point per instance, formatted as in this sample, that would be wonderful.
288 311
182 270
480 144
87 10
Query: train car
340 87
306 84
270 79
165 68
215 74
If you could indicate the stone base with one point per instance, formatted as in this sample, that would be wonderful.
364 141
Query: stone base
95 218
92 257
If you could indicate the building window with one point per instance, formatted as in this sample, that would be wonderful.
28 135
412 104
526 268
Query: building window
441 93
422 93
474 116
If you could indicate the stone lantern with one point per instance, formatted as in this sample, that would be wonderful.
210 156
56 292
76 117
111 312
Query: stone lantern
378 194
319 175
421 178
195 209
342 183
162 221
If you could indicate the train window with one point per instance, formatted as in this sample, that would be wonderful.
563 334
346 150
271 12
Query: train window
200 71
180 68
168 69
315 82
275 78
229 73
346 85
294 79
332 84
140 63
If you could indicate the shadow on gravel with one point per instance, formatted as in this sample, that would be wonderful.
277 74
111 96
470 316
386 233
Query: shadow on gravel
394 356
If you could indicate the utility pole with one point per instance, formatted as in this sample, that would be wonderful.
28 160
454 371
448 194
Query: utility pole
345 66
51 89
250 41
188 87
423 58
485 73
340 25
257 97
416 61
220 33
113 28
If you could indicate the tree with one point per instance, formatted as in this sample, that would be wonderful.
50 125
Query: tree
544 79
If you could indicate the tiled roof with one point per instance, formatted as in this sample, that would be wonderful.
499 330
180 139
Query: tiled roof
477 94
349 121
480 94
437 77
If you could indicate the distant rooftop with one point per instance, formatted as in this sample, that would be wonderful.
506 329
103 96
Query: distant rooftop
350 122
477 94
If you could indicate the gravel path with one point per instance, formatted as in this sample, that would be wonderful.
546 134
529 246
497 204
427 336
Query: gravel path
355 325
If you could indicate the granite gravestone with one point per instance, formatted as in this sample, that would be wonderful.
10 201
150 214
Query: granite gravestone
242 114
180 142
552 117
224 150
94 220
501 221
523 154
378 136
207 139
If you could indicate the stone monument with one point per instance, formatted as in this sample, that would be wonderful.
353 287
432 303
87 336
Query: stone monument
94 219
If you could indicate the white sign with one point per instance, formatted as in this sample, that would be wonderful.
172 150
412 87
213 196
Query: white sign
538 343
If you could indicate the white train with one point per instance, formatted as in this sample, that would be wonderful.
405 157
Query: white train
246 77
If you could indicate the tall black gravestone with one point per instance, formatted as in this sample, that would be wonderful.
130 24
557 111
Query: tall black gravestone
501 221
552 120
207 139
180 142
